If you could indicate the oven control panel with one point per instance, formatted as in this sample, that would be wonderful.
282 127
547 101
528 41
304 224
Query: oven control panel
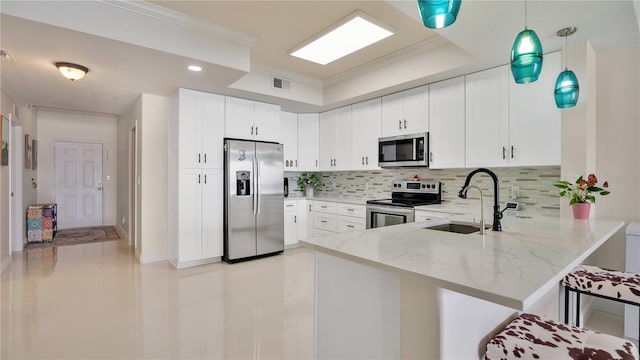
429 187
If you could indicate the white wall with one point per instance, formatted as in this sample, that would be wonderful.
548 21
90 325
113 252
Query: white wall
6 107
56 126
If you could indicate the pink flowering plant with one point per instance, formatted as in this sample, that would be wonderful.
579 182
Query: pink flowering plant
583 190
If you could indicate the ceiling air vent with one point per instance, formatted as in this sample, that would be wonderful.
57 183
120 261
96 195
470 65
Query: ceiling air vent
283 84
6 55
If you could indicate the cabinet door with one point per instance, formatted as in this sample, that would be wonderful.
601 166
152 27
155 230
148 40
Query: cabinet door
239 118
415 107
189 215
535 120
446 124
212 213
188 130
308 140
343 139
487 117
365 131
328 140
266 120
305 219
290 229
211 114
392 115
289 136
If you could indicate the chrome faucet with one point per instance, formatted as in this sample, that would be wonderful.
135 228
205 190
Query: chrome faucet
497 214
464 192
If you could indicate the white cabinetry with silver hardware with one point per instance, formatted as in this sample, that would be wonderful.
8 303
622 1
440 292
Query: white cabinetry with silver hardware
298 221
405 112
335 139
195 163
365 131
447 124
289 138
426 215
308 140
333 217
252 120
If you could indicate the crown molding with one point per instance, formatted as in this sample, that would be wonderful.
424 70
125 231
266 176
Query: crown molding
177 18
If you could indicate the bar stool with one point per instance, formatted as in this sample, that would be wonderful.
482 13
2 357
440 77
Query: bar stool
531 337
612 285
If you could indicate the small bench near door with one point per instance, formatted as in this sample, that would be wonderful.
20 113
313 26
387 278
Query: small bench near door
531 337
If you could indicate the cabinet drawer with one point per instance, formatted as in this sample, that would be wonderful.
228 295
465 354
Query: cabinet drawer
325 207
348 223
291 207
327 222
320 232
359 211
421 215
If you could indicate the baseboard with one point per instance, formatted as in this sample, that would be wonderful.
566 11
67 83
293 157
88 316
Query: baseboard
145 259
186 264
122 232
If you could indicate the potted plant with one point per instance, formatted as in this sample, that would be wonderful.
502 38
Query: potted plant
582 194
308 181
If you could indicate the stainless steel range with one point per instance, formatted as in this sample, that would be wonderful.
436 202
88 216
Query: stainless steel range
399 209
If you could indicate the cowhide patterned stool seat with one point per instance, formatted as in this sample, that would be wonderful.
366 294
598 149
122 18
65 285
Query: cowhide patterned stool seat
607 284
531 337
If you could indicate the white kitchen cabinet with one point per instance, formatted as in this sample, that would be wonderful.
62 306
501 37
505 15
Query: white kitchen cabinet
195 178
334 217
405 112
290 222
289 138
335 139
305 219
447 124
366 120
535 124
308 142
252 120
487 117
426 215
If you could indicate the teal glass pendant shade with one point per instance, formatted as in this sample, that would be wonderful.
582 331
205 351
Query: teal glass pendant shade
526 57
567 90
437 14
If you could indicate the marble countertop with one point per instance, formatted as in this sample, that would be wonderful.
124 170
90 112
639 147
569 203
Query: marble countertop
330 199
514 268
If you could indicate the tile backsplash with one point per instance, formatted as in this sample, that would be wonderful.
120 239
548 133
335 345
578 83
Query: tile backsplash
537 192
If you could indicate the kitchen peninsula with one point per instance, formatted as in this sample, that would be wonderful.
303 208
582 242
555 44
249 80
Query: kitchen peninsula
409 292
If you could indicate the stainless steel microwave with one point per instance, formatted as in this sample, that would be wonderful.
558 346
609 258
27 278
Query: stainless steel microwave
403 150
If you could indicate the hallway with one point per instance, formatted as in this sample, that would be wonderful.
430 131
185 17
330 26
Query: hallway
96 301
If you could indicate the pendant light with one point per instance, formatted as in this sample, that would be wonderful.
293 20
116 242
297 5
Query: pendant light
526 55
437 14
567 87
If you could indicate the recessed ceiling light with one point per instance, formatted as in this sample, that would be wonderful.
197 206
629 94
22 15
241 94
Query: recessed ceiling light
353 33
194 68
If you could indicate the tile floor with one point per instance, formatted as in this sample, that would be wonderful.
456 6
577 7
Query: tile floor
95 301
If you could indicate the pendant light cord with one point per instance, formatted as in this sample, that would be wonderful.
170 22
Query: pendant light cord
566 54
525 14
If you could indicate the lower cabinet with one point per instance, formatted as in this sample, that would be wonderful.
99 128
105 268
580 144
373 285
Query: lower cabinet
298 221
425 215
196 227
332 217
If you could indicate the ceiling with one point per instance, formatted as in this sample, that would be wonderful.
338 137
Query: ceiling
122 66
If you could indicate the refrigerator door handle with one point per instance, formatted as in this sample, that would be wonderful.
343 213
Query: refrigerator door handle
258 192
254 187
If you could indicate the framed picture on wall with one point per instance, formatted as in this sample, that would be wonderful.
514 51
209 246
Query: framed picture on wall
34 154
4 135
27 151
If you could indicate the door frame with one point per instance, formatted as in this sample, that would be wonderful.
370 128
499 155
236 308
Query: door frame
132 199
16 196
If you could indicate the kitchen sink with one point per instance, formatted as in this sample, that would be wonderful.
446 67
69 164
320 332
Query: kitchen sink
458 228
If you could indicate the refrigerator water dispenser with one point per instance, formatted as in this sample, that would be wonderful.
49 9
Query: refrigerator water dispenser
243 183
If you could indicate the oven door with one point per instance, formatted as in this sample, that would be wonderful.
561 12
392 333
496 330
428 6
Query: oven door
379 216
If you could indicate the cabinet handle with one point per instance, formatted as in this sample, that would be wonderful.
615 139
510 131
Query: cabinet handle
350 210
350 226
430 156
399 124
316 162
295 218
286 163
309 207
256 130
504 154
205 158
512 151
405 123
363 160
289 205
323 221
367 160
296 162
205 178
198 178
198 158
252 130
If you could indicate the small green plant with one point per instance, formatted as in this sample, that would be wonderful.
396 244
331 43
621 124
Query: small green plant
583 190
309 180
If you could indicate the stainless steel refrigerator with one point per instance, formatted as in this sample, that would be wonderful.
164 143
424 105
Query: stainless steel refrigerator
253 199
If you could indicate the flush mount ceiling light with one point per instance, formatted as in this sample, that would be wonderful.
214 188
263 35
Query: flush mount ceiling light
195 68
437 14
567 87
351 34
526 55
72 71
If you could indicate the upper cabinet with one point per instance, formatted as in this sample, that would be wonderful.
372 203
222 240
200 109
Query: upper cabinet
199 126
289 138
447 124
335 139
308 142
365 130
252 120
487 117
535 124
405 112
